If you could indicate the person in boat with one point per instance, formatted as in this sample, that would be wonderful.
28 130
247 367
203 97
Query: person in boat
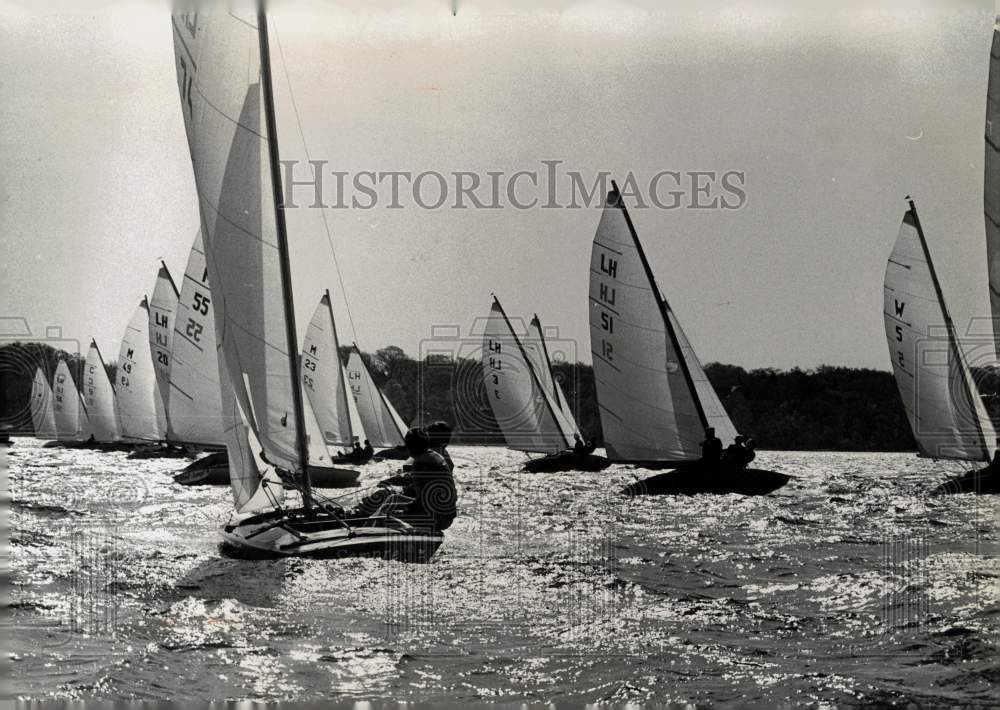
734 458
369 450
579 447
439 434
428 484
750 454
711 449
358 454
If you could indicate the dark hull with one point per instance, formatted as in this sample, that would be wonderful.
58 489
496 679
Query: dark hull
156 451
395 453
978 482
693 481
213 470
566 461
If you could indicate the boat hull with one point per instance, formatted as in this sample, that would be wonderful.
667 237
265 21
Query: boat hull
324 535
693 481
980 482
566 461
213 470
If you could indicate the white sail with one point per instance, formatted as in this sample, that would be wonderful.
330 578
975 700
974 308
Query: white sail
254 483
380 427
195 394
323 377
711 405
649 407
991 184
66 404
162 311
43 416
523 410
357 426
99 397
135 393
941 401
219 73
538 354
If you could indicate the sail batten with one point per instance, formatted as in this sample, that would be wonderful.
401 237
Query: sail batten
655 398
946 415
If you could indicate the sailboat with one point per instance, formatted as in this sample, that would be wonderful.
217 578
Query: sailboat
99 398
72 421
43 417
654 398
380 423
939 395
522 394
136 393
224 78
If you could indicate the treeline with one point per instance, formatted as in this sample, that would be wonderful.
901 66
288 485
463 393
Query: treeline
837 408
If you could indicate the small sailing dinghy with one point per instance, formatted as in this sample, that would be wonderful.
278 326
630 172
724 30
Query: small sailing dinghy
136 391
43 416
99 399
378 421
224 78
654 398
522 395
72 422
939 395
161 310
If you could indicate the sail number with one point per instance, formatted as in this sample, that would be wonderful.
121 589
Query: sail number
607 295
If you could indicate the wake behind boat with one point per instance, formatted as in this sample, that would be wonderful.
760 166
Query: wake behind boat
656 403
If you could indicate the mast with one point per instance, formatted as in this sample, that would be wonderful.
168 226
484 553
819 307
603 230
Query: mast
343 383
948 323
662 304
170 279
286 272
531 369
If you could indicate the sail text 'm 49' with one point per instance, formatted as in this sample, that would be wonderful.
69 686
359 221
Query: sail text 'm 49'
941 400
136 391
323 377
222 81
654 398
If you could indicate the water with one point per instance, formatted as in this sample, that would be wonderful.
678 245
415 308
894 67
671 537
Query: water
848 585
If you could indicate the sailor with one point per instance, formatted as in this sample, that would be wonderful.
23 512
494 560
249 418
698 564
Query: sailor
591 446
579 447
439 434
369 450
734 458
749 453
711 449
358 454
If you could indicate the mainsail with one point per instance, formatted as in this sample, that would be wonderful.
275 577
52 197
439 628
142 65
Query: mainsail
946 415
195 395
991 184
69 412
43 416
224 79
323 377
162 311
135 395
538 353
99 397
523 409
652 407
382 425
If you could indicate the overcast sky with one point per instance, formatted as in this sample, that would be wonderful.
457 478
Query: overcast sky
833 115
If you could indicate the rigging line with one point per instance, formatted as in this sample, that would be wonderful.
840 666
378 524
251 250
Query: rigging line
305 146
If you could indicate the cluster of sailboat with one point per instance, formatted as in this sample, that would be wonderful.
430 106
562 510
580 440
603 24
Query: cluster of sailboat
217 366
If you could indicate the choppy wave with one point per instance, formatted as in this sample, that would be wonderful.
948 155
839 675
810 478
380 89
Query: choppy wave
848 585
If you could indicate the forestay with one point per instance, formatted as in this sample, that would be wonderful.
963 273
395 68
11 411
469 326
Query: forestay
195 394
941 400
43 416
99 398
219 76
136 392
